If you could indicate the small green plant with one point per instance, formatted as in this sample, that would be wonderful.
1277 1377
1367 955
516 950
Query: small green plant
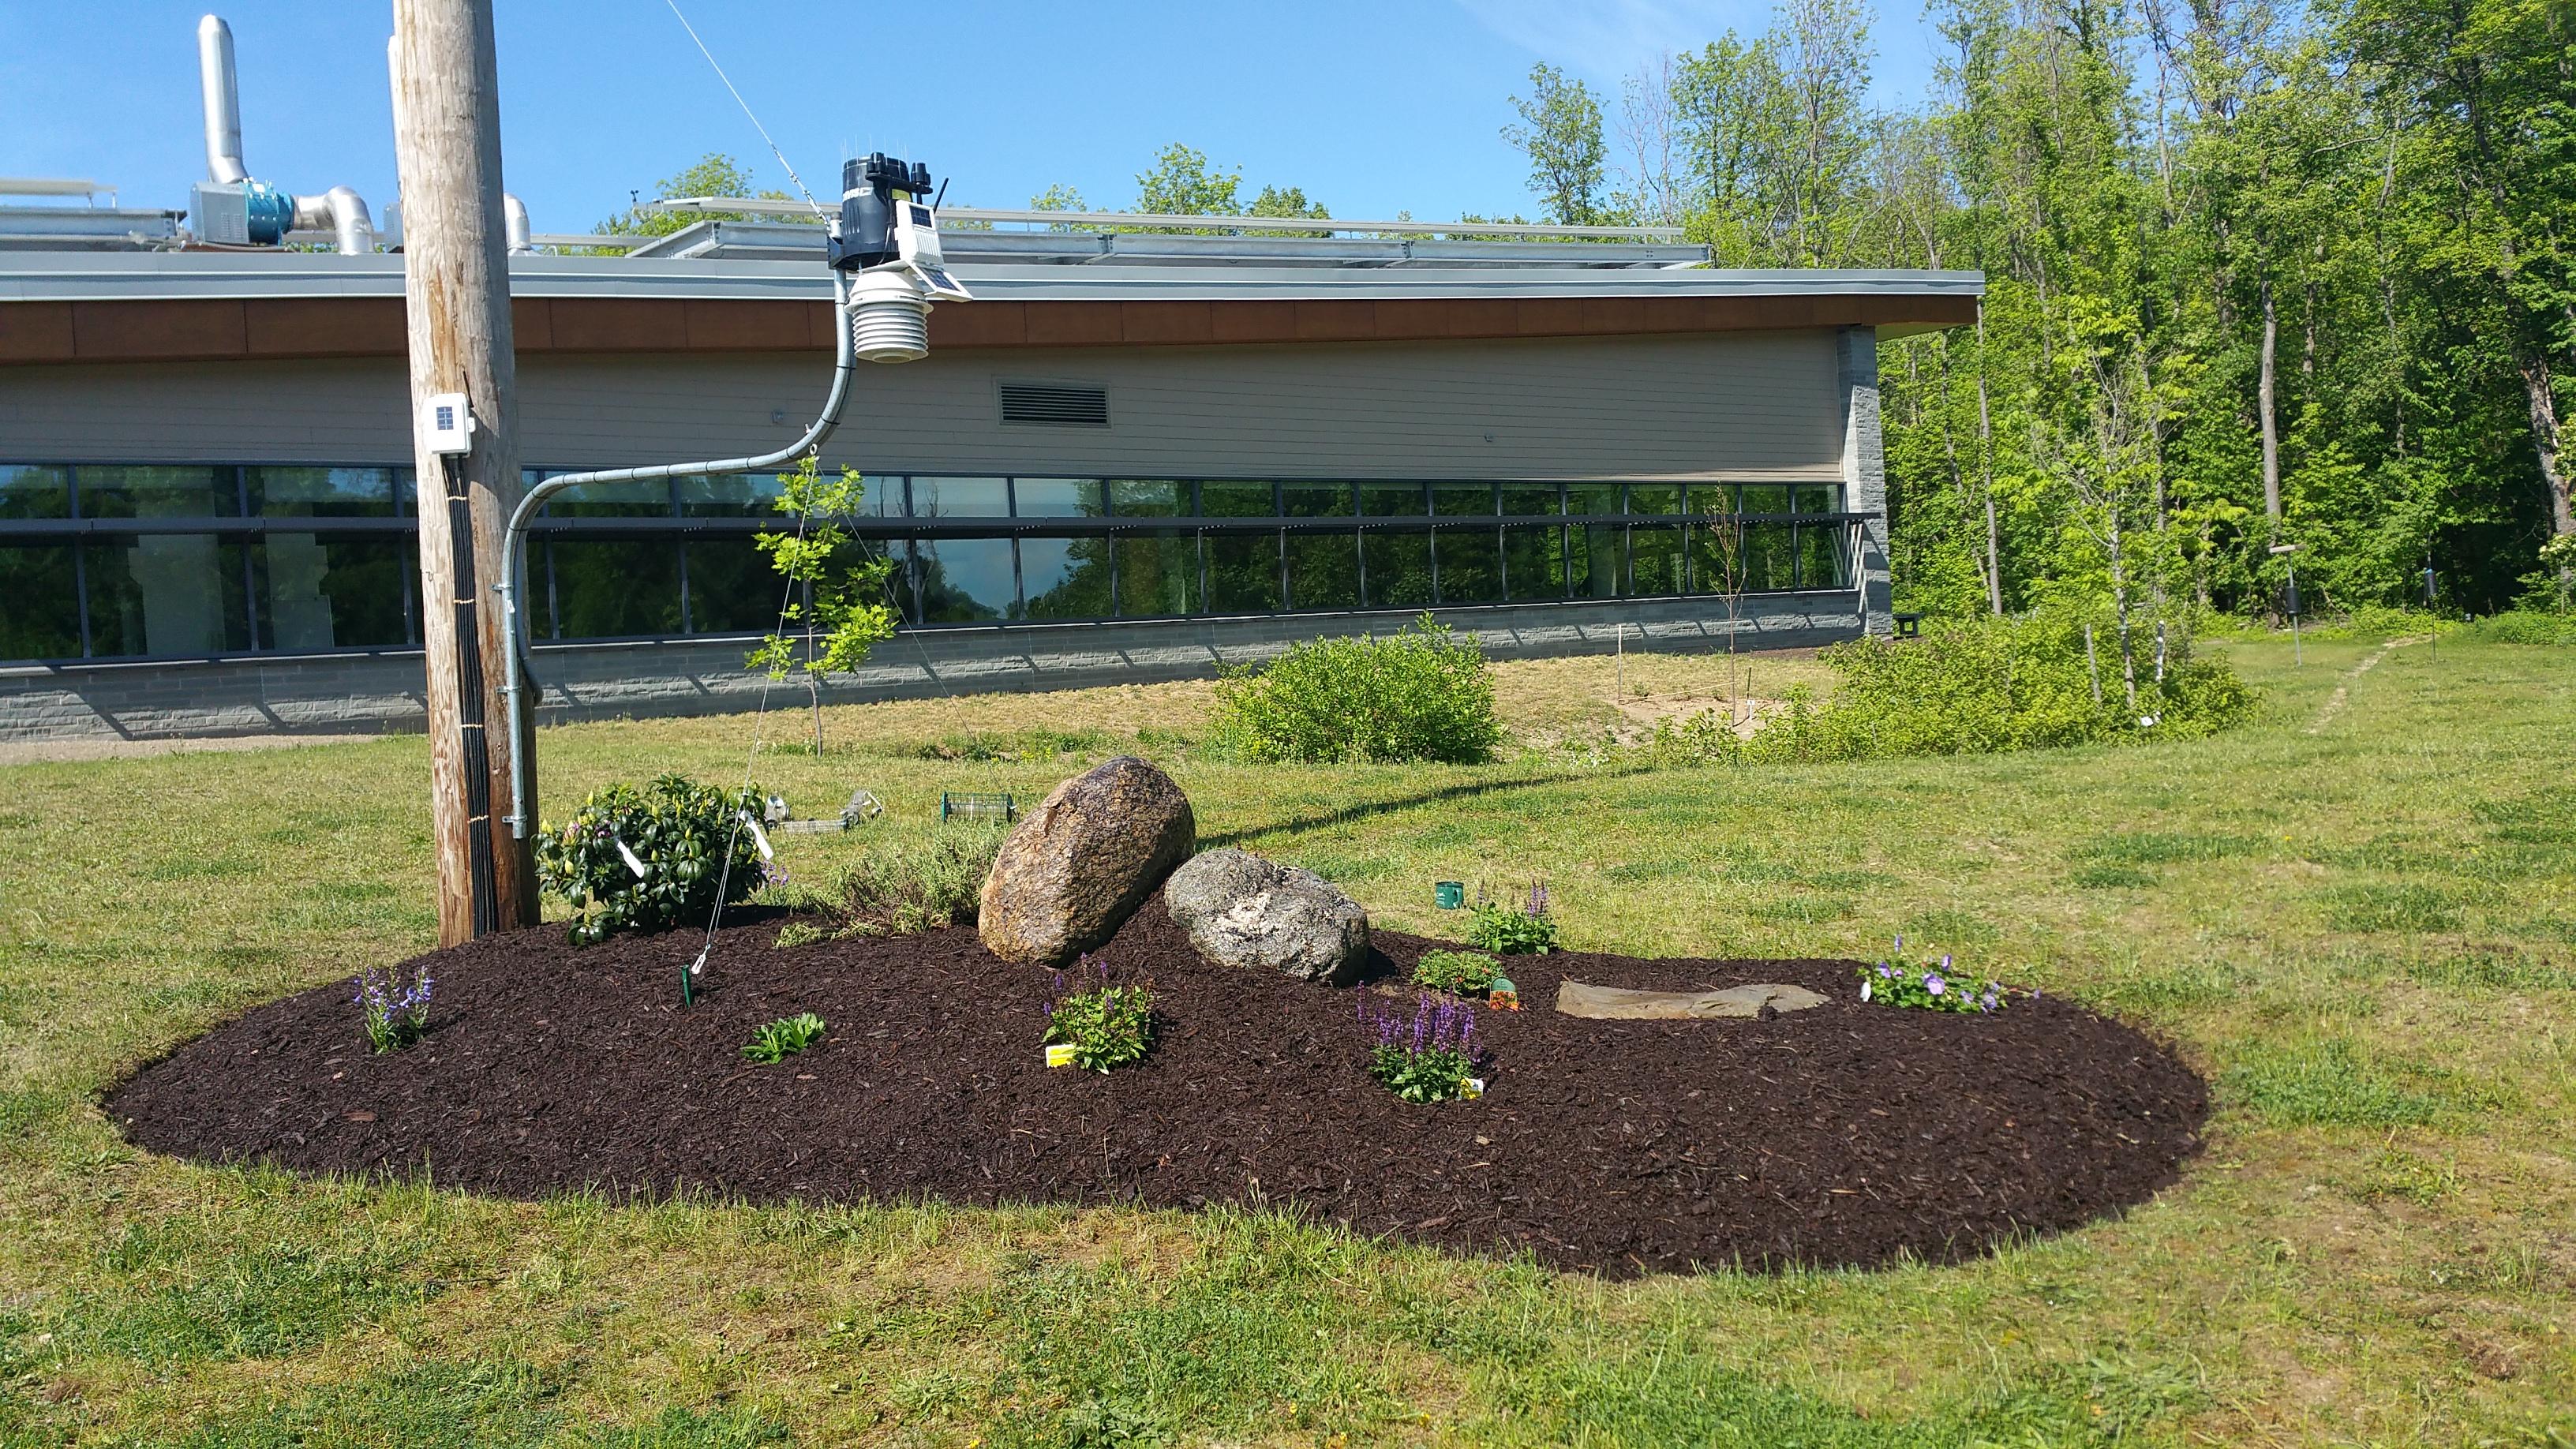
1931 987
1456 973
909 884
1423 694
1513 930
844 608
1107 1025
650 859
396 1012
776 1041
1432 1057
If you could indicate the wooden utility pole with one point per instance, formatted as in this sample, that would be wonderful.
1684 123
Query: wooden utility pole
456 282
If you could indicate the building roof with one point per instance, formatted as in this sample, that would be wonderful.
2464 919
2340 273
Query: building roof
201 304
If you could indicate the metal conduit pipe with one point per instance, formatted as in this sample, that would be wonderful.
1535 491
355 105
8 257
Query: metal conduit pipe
514 543
223 101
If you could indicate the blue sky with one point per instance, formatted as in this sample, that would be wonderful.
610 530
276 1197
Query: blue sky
1370 105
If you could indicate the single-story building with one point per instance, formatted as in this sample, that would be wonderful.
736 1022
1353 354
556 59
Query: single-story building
1134 456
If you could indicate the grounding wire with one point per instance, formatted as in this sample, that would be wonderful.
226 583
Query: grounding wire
746 107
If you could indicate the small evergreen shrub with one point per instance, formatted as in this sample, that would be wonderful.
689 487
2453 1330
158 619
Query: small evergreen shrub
909 884
1422 694
1456 973
1513 930
1432 1057
775 1041
1107 1025
650 859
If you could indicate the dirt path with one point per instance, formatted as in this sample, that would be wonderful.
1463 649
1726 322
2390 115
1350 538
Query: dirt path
2343 689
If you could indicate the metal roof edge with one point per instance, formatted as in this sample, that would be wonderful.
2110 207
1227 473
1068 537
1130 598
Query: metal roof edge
208 275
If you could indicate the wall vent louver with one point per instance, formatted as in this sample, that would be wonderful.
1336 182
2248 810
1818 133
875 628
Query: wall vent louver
1055 404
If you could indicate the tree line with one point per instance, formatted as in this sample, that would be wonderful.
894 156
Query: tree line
2257 276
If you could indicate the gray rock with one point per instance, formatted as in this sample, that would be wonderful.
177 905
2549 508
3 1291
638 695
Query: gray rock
1612 1003
1074 869
1242 910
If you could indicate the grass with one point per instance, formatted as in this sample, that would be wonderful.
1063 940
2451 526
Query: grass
2363 935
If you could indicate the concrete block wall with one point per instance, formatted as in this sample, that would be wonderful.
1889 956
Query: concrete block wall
382 692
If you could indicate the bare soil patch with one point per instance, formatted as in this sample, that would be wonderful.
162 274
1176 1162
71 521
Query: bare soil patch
1845 1134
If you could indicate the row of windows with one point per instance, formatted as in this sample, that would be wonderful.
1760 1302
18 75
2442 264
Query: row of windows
109 595
56 491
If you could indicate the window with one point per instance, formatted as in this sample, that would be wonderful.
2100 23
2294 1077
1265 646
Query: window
614 588
964 580
177 594
1596 561
159 492
1467 563
233 570
1397 565
1655 563
335 590
733 587
320 492
32 492
1242 568
1323 568
39 600
1533 557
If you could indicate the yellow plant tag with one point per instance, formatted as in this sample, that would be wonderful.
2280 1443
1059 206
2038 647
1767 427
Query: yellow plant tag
1060 1055
1472 1088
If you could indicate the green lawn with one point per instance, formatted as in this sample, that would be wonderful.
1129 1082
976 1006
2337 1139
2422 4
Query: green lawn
2363 930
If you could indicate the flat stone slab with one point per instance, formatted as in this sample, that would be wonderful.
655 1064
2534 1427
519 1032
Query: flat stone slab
1611 1003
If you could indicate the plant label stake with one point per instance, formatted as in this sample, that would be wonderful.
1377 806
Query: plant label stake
759 837
1060 1055
1470 1089
632 862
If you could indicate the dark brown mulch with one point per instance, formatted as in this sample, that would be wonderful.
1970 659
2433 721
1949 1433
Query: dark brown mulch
1847 1134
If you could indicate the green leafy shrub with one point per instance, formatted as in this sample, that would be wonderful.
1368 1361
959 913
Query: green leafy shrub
909 884
1513 930
1930 987
650 859
1422 694
1107 1025
776 1041
1977 687
1430 1058
1458 973
2529 626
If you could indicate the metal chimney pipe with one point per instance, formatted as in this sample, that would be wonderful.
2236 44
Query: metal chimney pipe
216 77
514 224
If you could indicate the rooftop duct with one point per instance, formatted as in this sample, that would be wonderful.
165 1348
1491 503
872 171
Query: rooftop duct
230 207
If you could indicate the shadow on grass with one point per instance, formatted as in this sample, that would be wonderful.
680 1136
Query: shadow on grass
1367 809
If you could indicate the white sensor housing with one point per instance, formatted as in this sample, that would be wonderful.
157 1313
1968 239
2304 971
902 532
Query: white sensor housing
447 422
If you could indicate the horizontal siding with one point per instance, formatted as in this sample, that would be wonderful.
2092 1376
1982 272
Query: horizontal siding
1757 404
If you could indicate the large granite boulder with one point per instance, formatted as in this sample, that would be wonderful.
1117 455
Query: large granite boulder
1074 869
1242 910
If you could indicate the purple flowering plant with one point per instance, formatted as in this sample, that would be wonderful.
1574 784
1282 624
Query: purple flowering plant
397 1011
1427 1057
1934 986
1509 929
1107 1023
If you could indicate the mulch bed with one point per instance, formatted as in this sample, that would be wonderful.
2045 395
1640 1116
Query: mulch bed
1846 1134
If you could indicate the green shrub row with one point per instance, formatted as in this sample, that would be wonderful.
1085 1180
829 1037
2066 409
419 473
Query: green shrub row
1975 687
